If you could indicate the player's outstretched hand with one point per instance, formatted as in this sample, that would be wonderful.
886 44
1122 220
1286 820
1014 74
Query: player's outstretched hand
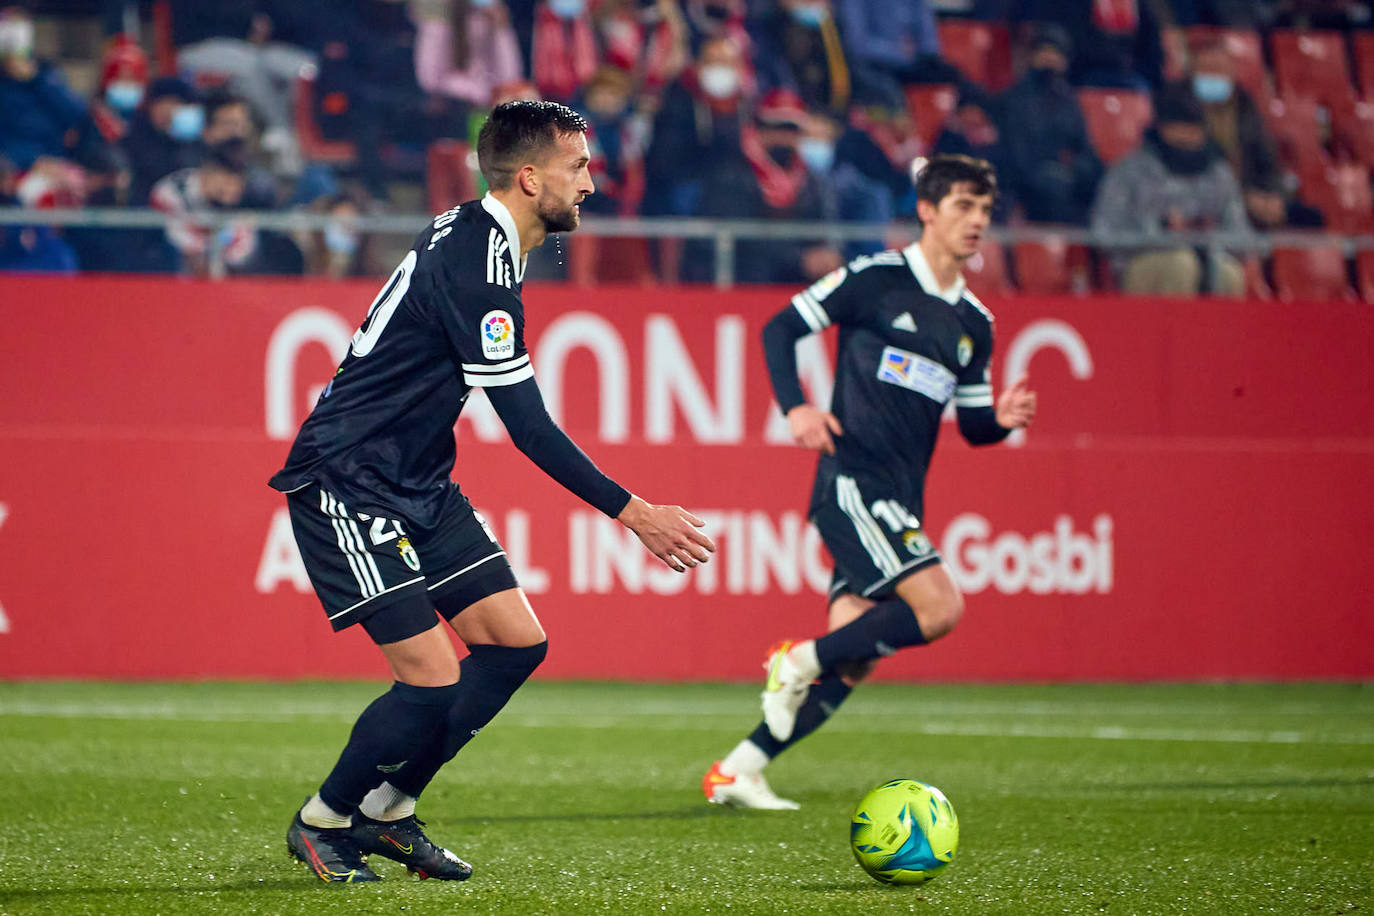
668 532
1016 406
813 428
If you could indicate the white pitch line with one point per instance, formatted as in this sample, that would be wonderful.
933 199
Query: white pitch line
859 722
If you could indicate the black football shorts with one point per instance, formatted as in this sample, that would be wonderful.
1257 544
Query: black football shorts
874 539
389 576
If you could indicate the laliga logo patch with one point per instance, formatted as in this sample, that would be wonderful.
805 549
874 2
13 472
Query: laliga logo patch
965 351
916 542
828 284
498 335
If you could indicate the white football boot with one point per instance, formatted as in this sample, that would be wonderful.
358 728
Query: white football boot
785 690
743 790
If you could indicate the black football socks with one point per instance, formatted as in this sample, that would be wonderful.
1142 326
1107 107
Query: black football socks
881 630
822 701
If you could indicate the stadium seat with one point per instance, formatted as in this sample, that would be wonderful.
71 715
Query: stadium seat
1311 275
1341 191
448 175
1294 122
981 50
313 144
1043 267
1312 64
1364 273
1363 45
1246 52
930 106
1116 119
987 271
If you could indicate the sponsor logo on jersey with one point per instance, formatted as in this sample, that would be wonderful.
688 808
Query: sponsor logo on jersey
965 349
498 335
828 284
917 544
498 268
917 373
904 322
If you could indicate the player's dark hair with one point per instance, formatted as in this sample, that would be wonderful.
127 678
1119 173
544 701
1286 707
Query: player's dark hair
944 171
521 132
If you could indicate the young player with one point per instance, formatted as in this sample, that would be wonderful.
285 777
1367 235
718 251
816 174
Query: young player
388 539
911 339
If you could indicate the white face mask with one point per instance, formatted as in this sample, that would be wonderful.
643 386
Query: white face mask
16 37
718 81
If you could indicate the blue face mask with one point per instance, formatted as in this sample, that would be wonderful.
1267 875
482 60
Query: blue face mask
809 16
124 95
187 122
482 4
818 154
567 9
1211 87
339 239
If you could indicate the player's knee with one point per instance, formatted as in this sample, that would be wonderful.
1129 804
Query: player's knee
938 618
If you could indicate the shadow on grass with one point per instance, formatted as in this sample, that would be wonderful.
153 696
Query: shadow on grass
57 894
696 812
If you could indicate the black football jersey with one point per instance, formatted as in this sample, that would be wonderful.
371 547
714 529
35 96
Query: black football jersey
905 350
449 319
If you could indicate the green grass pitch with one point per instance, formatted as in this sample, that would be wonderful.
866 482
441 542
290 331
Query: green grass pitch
584 798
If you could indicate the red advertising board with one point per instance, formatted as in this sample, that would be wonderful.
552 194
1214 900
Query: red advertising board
1193 502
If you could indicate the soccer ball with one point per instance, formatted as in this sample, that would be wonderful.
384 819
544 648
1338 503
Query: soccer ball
904 832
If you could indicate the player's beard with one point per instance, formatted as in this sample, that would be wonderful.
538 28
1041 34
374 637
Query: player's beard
556 216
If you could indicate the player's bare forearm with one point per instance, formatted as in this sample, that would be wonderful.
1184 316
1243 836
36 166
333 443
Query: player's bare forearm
668 532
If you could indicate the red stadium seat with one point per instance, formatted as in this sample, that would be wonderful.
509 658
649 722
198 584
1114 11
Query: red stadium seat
1295 124
448 175
981 50
1116 119
164 47
1364 272
1246 52
1043 267
1311 275
930 106
1363 44
313 144
1312 64
1341 191
987 271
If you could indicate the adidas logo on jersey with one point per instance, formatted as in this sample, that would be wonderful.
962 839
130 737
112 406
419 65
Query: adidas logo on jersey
904 322
498 269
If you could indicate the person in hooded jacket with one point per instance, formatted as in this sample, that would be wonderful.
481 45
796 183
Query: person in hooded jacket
1178 181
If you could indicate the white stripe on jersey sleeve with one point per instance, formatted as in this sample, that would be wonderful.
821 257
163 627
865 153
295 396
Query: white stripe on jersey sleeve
973 396
482 368
478 380
812 312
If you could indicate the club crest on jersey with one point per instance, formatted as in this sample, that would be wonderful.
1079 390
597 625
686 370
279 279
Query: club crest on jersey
408 553
965 349
498 335
917 544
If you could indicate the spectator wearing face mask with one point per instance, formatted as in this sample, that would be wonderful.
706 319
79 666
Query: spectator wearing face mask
1052 167
123 80
1235 125
767 179
39 115
164 135
564 54
799 48
647 39
1177 181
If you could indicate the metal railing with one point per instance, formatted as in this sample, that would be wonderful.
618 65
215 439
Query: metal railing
722 234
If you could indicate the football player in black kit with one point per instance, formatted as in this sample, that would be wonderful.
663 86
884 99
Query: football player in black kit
911 339
391 543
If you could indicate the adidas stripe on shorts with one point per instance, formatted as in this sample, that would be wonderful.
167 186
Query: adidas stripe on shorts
874 539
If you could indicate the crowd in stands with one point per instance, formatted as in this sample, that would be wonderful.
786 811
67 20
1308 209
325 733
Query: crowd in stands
1143 117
